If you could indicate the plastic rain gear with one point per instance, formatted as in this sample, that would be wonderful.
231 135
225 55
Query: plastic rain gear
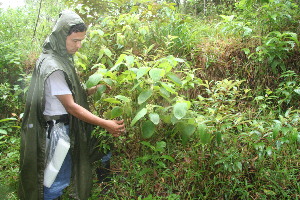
33 130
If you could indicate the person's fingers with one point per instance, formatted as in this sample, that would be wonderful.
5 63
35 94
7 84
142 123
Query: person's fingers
120 121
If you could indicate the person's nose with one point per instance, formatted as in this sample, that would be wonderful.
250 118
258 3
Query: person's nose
78 44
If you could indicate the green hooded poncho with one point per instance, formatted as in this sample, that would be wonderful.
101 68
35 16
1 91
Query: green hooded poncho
33 136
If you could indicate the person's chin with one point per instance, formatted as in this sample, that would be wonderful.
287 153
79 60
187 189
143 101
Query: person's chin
72 52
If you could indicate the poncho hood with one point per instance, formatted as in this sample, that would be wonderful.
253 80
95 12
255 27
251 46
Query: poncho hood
33 130
56 41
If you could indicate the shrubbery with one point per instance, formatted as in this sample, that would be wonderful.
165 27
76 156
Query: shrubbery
211 106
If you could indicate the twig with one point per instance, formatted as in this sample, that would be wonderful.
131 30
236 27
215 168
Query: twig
37 20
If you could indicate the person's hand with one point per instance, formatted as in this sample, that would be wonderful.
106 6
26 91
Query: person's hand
94 89
115 127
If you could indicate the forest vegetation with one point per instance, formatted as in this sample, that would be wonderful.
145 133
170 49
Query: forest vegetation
209 91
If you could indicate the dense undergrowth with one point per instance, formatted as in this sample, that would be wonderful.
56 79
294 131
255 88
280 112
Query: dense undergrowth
211 103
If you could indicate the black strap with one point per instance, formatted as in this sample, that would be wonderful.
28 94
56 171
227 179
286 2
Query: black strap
62 119
51 124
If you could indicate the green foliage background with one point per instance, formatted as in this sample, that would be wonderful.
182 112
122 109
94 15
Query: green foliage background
209 92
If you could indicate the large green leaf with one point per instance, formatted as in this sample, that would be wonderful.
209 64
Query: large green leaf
154 117
138 116
117 111
137 85
107 52
142 71
187 131
148 129
100 90
180 110
173 77
144 96
129 60
120 59
204 135
164 93
94 80
168 87
166 65
156 74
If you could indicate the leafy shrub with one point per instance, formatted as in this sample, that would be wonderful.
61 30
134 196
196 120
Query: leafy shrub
269 16
284 97
11 100
154 98
222 145
9 156
10 62
275 48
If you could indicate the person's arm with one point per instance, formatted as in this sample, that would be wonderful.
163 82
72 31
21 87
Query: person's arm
115 127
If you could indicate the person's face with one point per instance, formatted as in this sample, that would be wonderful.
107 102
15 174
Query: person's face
73 42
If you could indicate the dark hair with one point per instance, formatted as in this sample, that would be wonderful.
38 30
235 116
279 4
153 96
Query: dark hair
77 28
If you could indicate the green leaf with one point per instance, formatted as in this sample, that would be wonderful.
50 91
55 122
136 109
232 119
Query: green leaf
160 146
123 98
144 96
246 51
168 87
239 165
137 85
147 144
166 64
112 100
269 150
116 112
8 119
156 74
118 63
154 117
218 137
100 90
186 130
100 66
180 110
108 81
269 192
115 67
205 137
142 71
129 60
138 116
127 110
148 129
94 80
3 132
276 129
107 52
167 157
120 59
173 77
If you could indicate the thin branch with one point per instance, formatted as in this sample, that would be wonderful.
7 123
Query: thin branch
37 20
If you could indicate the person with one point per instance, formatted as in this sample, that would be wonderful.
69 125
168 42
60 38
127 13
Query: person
56 95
